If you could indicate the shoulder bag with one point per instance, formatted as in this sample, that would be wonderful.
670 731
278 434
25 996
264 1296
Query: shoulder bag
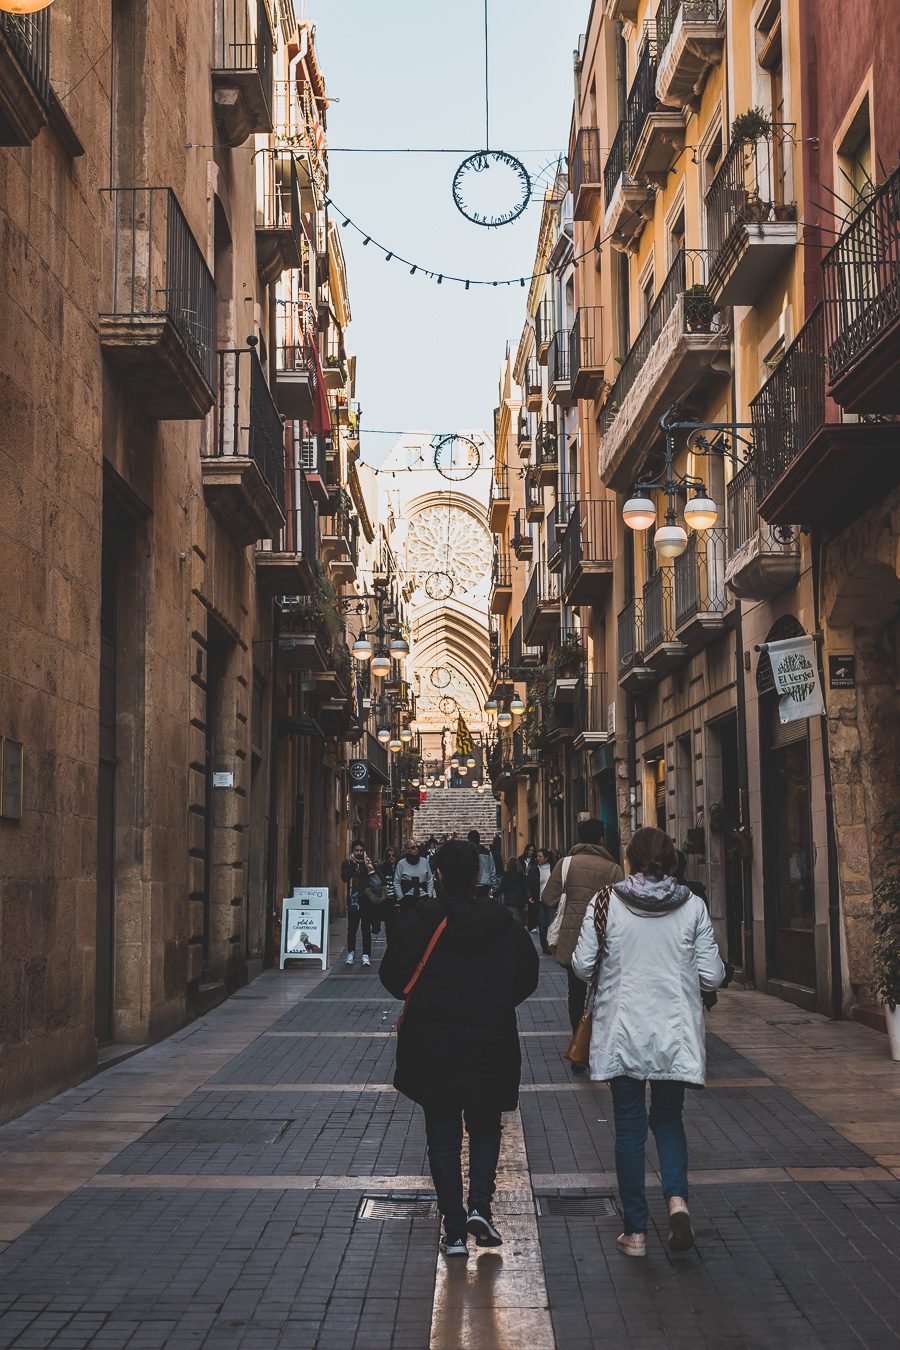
414 978
579 1050
556 924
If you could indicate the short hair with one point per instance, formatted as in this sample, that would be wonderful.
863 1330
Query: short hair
357 843
473 837
591 831
513 865
459 866
652 852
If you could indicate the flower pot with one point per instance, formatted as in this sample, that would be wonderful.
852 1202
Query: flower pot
892 1021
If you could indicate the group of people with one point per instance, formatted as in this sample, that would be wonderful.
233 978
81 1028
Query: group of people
644 945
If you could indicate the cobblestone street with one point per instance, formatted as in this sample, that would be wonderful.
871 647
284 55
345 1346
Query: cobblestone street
254 1181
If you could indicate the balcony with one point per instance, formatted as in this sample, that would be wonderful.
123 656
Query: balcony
520 538
587 180
655 132
534 392
540 607
663 649
627 202
681 346
159 334
763 560
626 10
526 758
242 73
861 275
586 352
498 507
592 711
813 468
588 550
304 644
286 563
534 498
545 466
523 438
24 76
501 686
543 330
701 599
560 390
522 658
634 674
279 227
297 124
244 466
379 762
501 582
751 226
296 371
690 37
312 452
339 544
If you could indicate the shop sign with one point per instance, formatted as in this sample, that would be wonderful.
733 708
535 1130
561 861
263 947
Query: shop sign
796 678
842 672
359 775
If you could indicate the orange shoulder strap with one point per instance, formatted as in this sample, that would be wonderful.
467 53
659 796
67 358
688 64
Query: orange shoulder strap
425 955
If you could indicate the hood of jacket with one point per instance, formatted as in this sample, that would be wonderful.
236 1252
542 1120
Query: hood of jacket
646 895
593 850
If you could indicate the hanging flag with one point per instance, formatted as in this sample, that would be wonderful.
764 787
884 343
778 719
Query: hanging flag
796 677
464 743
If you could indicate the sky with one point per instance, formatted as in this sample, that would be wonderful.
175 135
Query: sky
410 73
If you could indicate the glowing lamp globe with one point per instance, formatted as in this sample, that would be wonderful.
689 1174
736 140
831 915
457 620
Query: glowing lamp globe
454 762
395 745
701 513
490 706
399 647
24 6
476 784
383 735
670 541
416 782
504 719
381 664
362 649
639 513
405 734
462 770
517 705
470 762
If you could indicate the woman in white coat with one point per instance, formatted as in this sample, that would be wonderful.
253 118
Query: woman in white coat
660 952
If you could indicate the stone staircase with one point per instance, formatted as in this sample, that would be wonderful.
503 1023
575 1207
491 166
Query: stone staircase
457 809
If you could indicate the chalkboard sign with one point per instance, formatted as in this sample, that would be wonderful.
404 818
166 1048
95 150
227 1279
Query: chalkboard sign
304 926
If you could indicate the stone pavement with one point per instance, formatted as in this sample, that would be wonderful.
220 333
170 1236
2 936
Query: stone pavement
255 1182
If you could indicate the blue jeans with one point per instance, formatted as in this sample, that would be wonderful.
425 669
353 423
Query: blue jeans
630 1114
443 1130
545 918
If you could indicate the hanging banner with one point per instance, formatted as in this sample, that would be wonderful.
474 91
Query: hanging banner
796 678
464 742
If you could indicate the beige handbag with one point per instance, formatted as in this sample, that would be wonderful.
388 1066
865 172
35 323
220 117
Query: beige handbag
556 924
579 1051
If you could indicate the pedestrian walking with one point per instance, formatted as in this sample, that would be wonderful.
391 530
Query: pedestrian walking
512 890
588 868
463 964
413 876
387 867
497 853
364 886
538 876
659 952
487 870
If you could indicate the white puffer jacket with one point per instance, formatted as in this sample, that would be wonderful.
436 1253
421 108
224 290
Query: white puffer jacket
648 1015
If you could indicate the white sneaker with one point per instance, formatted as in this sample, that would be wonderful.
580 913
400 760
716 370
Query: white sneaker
366 961
349 960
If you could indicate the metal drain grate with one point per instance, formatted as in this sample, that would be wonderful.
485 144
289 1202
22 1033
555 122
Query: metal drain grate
181 1130
577 1206
418 1205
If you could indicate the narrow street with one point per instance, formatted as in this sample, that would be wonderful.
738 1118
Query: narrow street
254 1181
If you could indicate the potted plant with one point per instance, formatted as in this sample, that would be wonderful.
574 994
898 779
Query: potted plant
786 211
694 841
570 656
756 210
716 816
740 842
698 308
752 125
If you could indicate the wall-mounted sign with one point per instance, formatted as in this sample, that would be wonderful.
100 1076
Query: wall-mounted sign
842 672
304 926
223 780
11 779
359 775
796 678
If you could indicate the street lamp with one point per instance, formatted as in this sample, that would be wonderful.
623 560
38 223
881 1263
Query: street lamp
395 745
399 647
490 706
381 664
362 648
470 762
462 770
405 734
639 512
383 734
504 719
517 705
701 512
454 761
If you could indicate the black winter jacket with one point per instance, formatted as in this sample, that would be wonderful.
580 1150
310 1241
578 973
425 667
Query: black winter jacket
513 890
459 1043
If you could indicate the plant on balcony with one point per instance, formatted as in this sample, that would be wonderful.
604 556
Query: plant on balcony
699 309
755 210
569 658
785 210
752 125
325 599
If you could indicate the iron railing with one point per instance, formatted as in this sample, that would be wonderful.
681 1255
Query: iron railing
586 340
501 569
159 270
542 591
688 270
746 524
586 164
534 496
278 195
520 535
500 484
522 657
630 632
591 703
247 421
568 493
642 100
790 407
244 40
555 532
694 11
29 37
559 364
748 190
658 610
618 157
299 535
523 431
546 449
295 335
861 276
590 537
543 325
533 376
700 576
297 122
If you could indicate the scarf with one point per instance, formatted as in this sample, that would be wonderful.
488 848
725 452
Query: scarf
652 896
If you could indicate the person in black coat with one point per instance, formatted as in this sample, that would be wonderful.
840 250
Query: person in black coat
513 889
458 1053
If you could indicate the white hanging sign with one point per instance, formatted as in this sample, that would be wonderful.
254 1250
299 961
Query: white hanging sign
796 677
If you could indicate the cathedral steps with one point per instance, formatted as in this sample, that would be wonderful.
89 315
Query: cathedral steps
457 810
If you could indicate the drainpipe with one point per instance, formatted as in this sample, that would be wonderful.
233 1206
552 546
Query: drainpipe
834 885
272 837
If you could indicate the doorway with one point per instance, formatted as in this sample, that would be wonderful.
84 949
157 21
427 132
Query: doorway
730 821
788 862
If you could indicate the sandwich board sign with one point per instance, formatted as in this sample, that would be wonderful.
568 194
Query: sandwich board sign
304 926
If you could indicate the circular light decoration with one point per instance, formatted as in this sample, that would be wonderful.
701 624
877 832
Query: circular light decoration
395 745
439 585
639 513
481 181
456 457
670 541
701 512
470 761
490 706
504 719
441 677
454 762
447 704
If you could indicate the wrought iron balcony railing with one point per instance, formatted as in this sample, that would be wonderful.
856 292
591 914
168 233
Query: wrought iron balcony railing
297 124
244 40
522 657
861 276
745 523
658 610
642 100
542 592
693 11
590 537
559 363
790 407
586 347
748 191
700 576
29 37
543 327
546 450
586 165
630 631
500 484
592 705
618 157
501 570
299 536
247 422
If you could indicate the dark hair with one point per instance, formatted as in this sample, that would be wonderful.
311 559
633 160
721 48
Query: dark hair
513 865
473 837
591 831
652 852
459 866
357 843
547 854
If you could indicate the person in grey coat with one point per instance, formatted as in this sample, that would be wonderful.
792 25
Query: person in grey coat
659 953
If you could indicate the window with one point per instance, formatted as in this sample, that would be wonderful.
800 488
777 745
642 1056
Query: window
770 58
624 298
647 286
855 162
676 235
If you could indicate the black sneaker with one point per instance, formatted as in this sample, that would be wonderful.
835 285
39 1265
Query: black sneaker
482 1229
454 1244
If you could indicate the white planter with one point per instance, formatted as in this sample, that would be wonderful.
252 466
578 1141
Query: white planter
892 1018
